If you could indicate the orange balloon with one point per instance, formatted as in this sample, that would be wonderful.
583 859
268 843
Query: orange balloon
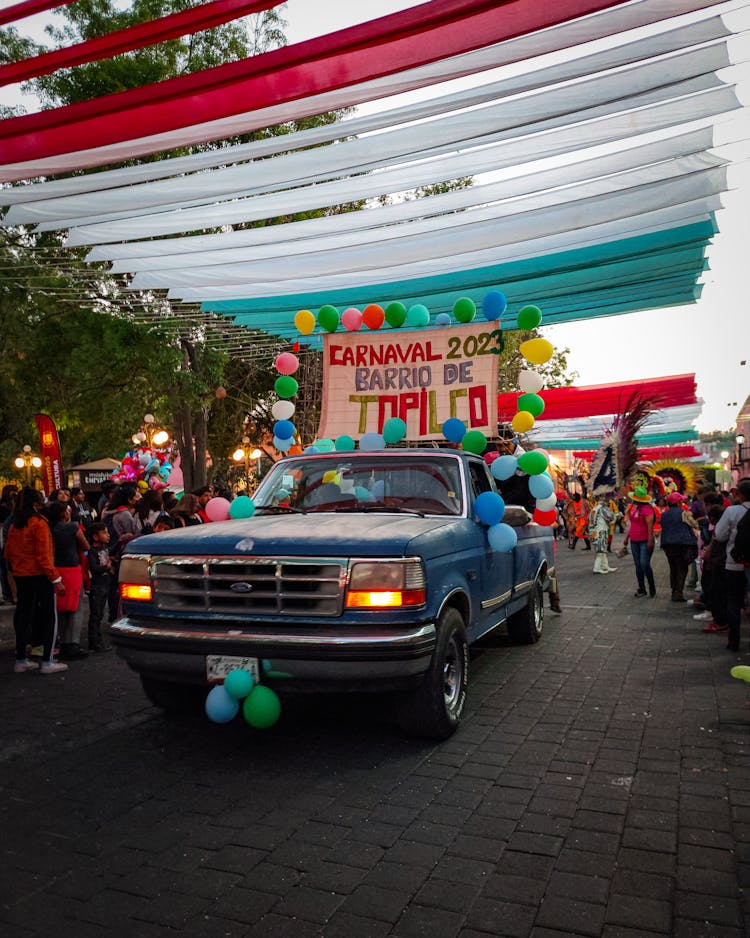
373 316
294 450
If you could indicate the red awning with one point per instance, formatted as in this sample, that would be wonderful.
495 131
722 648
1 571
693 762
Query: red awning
650 453
594 400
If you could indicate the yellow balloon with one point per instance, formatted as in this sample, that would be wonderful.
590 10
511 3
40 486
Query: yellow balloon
304 321
523 421
537 351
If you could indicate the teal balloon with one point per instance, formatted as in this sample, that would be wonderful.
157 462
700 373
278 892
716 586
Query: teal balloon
324 446
286 386
395 314
344 444
533 463
531 402
363 494
328 318
529 317
238 683
489 507
262 707
220 706
502 537
394 430
242 507
541 486
418 315
504 467
464 309
474 442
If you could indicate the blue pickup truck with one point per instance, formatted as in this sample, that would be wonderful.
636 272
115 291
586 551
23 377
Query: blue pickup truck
361 571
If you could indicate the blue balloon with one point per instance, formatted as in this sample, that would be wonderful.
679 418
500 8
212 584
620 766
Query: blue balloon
454 430
443 319
282 445
371 442
494 304
378 488
221 707
489 507
283 429
311 450
502 537
503 467
541 486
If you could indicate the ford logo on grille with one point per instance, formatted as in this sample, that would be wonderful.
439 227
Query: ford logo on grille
241 587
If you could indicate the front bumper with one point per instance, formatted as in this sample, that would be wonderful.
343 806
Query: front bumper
344 659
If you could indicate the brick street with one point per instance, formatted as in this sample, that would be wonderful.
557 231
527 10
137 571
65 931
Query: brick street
599 785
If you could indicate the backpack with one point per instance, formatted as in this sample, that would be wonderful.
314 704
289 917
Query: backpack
741 550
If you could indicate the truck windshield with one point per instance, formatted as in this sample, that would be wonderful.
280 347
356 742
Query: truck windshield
363 482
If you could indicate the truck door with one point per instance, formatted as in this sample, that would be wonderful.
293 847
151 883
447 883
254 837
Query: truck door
496 575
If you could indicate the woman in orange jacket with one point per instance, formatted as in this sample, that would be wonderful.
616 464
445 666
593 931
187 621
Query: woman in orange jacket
30 556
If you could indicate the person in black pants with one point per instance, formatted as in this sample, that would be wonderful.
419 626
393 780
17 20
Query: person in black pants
100 568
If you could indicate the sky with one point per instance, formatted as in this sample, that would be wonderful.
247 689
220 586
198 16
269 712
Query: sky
710 338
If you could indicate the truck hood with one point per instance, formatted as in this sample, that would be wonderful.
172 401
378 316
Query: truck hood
320 534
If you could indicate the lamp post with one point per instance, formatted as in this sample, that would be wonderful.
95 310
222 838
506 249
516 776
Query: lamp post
150 434
26 460
243 454
740 441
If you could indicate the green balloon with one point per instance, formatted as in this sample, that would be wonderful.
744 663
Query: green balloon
474 442
533 463
464 309
238 683
286 386
529 317
345 444
261 708
328 318
531 402
395 314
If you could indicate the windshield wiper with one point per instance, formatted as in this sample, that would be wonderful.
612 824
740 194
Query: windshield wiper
281 508
396 509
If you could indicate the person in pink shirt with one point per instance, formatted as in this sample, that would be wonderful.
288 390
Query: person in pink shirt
639 532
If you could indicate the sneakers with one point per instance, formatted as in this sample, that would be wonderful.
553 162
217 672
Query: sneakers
713 627
25 665
52 667
703 616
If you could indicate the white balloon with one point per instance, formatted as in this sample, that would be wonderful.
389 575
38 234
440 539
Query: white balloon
529 381
282 410
545 504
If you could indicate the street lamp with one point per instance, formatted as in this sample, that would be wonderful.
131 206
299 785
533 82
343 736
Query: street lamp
25 460
740 441
243 454
150 434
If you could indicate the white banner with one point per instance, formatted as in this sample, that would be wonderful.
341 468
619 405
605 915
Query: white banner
424 377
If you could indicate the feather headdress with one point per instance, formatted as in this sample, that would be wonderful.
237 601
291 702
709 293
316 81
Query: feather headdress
616 458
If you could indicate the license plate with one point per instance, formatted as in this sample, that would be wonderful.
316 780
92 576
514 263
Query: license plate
218 666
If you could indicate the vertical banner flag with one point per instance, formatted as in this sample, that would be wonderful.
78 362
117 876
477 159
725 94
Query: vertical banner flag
49 447
423 377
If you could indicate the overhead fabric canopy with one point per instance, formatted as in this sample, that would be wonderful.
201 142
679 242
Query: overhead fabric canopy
652 453
596 181
19 11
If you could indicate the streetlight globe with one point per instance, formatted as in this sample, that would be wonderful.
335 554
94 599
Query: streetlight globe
256 454
238 455
18 462
724 454
160 437
140 437
148 418
36 462
27 448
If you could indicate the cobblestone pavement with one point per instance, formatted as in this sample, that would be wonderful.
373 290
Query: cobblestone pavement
600 785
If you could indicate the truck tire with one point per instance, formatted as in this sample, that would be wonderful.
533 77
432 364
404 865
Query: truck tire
173 697
525 626
434 709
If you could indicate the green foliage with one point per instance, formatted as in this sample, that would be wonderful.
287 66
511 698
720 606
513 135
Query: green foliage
554 372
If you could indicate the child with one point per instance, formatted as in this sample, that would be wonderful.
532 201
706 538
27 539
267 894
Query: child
163 523
100 567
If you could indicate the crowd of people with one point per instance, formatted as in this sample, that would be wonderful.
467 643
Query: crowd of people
54 552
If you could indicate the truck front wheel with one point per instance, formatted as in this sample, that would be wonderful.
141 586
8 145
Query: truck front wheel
173 697
434 709
525 626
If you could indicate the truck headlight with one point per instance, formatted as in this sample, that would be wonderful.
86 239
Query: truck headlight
386 584
135 580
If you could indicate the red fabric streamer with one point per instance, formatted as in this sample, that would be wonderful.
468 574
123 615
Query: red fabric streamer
186 22
20 11
388 45
597 399
649 454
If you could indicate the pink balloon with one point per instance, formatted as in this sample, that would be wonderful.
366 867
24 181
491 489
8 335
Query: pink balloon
351 319
286 363
217 509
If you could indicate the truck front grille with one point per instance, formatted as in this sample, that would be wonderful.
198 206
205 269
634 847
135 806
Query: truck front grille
229 587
